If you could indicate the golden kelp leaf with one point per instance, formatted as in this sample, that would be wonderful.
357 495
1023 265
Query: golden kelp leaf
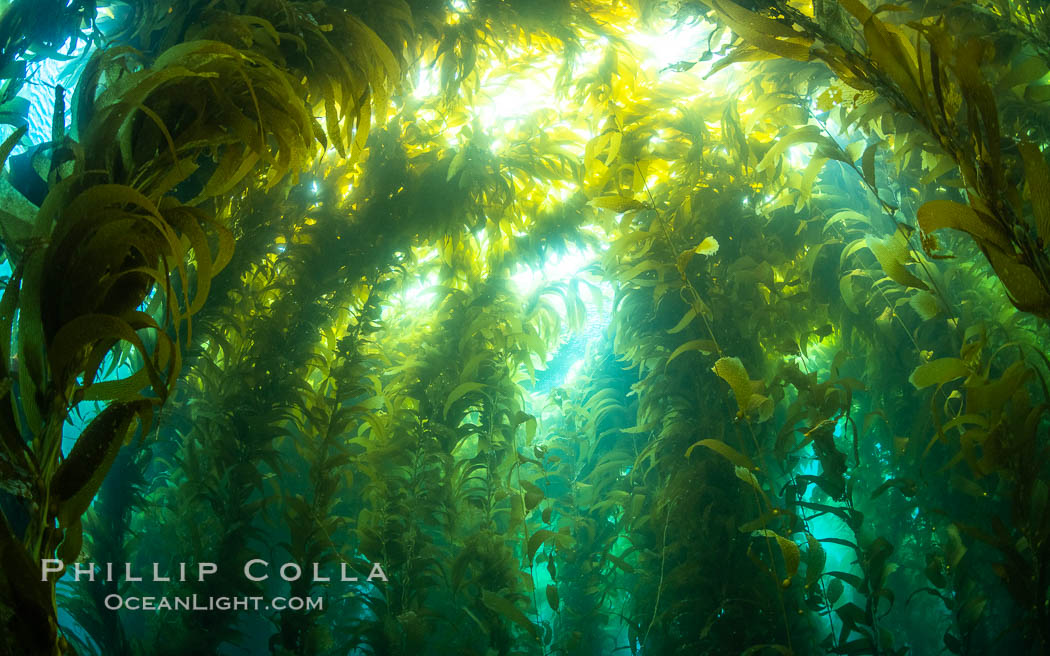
686 319
508 610
733 372
705 346
804 134
745 475
938 372
684 258
761 405
937 214
459 392
458 162
617 204
1037 173
1023 285
762 32
724 450
849 296
892 253
925 304
892 58
788 549
709 246
596 171
809 176
743 53
234 165
944 164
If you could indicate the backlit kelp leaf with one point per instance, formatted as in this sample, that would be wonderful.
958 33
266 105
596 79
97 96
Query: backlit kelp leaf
761 406
804 134
1037 175
849 295
733 372
765 33
459 392
617 204
925 304
889 52
686 319
788 549
502 606
938 372
892 254
190 222
937 214
234 166
1024 287
742 53
705 346
709 246
745 475
809 176
724 450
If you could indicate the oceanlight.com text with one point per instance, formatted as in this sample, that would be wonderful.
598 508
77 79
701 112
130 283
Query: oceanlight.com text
209 603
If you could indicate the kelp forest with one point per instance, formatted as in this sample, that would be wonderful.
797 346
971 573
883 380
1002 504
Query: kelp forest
524 327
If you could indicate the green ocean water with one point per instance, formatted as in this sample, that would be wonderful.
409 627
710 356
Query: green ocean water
524 327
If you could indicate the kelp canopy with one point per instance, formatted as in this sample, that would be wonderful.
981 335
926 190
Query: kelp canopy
660 327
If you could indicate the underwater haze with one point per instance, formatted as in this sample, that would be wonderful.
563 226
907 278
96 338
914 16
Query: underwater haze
524 327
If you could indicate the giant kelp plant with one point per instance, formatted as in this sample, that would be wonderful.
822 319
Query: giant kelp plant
600 326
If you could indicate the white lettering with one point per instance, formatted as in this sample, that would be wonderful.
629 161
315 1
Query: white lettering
50 566
248 570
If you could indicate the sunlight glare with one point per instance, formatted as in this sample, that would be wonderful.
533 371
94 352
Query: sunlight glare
670 43
556 267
